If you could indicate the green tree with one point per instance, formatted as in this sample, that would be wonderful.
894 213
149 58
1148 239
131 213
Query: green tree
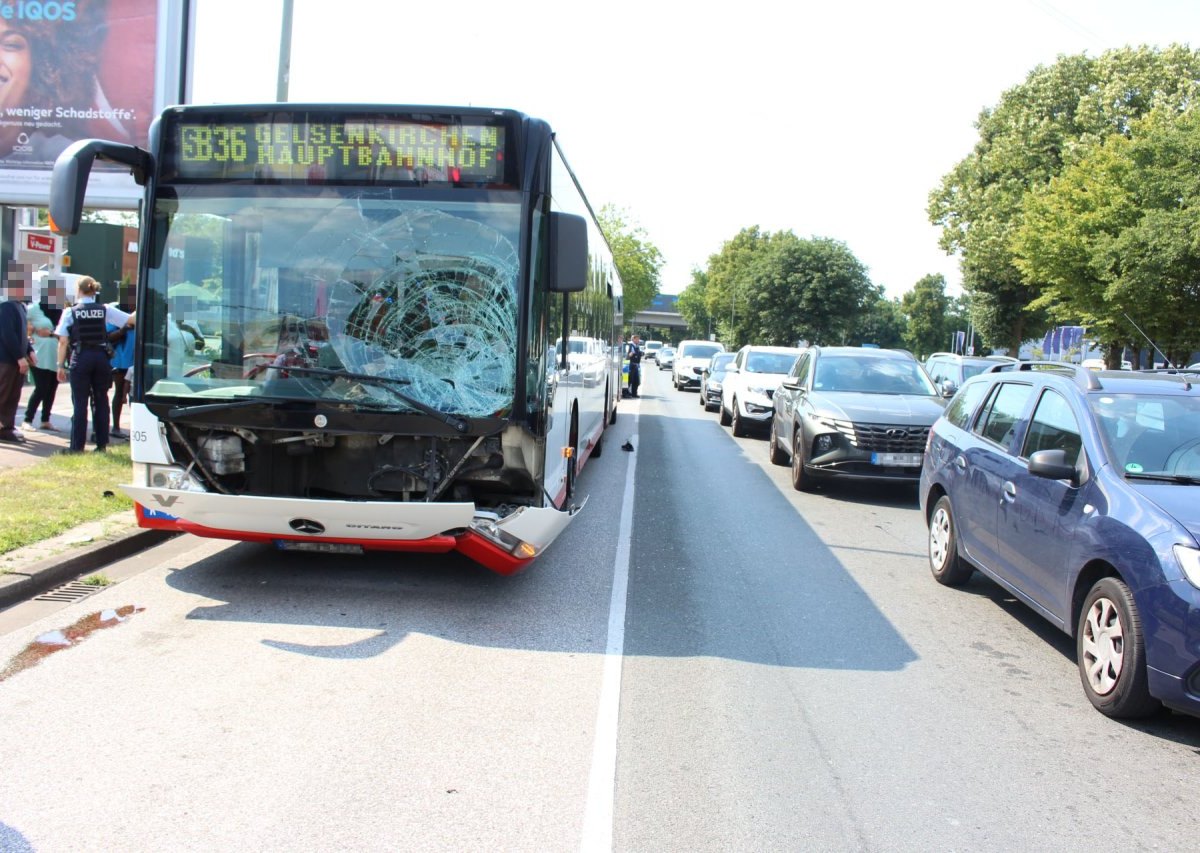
639 262
729 282
925 308
813 289
1037 129
882 323
691 306
1114 237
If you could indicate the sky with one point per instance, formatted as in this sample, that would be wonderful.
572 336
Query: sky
831 120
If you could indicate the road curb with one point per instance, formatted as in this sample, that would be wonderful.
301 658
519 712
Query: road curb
16 586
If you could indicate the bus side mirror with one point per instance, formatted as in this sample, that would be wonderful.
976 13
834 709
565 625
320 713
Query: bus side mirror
68 181
568 253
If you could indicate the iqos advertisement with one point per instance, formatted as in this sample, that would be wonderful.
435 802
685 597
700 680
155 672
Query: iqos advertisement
77 69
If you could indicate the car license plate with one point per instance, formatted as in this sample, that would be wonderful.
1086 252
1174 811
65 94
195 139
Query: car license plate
907 460
318 547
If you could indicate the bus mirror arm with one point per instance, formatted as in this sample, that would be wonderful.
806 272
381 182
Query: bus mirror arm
68 181
568 253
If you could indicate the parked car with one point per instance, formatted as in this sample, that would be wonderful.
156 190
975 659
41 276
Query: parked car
949 370
853 412
711 378
665 358
690 358
650 350
1079 492
750 384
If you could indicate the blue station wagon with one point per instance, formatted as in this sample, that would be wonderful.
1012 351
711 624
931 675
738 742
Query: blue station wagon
1079 492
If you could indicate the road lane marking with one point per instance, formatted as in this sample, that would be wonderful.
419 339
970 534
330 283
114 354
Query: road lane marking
598 813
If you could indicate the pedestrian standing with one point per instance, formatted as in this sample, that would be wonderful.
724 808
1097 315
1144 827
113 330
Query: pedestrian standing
635 365
16 354
83 355
43 317
121 338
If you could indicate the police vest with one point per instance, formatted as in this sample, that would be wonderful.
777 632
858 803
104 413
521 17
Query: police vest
88 327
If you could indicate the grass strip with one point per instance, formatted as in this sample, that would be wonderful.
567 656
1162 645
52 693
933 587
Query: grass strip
50 497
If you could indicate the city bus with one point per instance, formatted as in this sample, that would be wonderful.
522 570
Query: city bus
350 326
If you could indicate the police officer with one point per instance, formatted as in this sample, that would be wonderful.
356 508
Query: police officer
83 331
634 355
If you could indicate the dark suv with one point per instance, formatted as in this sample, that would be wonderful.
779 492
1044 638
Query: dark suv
1079 492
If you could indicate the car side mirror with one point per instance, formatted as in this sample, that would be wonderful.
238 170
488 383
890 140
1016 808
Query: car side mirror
948 388
732 369
790 384
1052 465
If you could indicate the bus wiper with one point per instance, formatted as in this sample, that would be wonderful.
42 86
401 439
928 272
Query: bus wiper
176 413
1185 479
459 424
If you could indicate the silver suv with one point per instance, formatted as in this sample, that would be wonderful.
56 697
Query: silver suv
853 412
950 370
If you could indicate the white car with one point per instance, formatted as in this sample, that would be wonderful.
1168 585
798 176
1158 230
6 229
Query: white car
747 393
691 357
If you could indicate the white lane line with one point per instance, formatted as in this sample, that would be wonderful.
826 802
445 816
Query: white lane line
598 813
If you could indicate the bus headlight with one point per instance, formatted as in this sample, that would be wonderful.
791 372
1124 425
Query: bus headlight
486 527
172 477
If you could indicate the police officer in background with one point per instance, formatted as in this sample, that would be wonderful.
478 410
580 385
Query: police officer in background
634 354
83 350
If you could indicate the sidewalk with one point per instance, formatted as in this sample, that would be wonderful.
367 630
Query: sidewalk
38 445
32 570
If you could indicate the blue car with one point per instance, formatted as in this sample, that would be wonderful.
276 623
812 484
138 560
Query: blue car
1079 492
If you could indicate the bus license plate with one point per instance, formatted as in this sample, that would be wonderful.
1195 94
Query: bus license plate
906 460
318 547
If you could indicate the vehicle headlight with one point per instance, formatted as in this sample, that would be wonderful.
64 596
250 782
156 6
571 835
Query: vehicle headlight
714 385
172 477
757 389
1189 561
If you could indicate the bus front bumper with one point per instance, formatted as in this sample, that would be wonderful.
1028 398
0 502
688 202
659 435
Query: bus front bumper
504 545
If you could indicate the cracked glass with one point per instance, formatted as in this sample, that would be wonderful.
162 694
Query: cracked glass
341 295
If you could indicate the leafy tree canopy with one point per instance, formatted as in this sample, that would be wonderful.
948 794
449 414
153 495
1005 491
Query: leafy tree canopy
925 308
1114 237
778 288
1038 129
638 261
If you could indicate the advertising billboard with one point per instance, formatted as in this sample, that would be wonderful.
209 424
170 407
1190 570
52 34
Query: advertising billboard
75 69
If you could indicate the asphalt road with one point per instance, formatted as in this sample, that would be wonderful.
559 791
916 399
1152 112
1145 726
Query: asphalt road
782 674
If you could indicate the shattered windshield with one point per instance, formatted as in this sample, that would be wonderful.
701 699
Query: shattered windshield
306 297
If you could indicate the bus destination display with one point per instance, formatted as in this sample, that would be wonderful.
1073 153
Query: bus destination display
365 149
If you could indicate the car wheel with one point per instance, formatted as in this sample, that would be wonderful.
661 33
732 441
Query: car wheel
726 420
801 481
944 561
778 456
1111 653
736 421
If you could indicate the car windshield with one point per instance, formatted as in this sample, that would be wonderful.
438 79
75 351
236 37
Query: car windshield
699 350
770 362
871 375
344 281
1150 433
720 362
